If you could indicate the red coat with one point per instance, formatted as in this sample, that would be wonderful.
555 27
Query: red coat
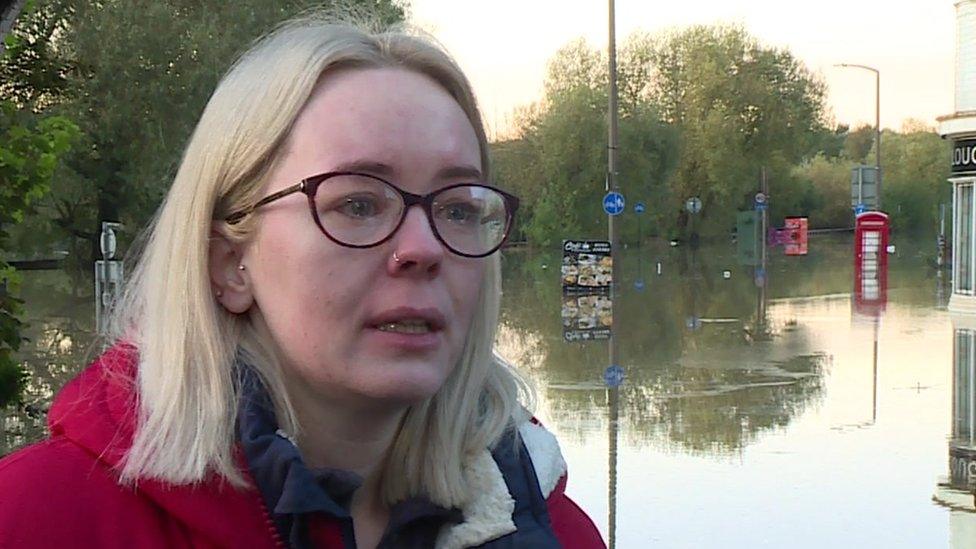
63 491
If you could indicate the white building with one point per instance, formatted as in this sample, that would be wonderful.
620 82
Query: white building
960 128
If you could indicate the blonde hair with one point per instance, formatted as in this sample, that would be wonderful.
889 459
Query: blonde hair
188 343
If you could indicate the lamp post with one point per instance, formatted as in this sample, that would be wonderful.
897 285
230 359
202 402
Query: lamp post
877 118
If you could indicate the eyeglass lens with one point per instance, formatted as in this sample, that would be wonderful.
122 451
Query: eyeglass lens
360 211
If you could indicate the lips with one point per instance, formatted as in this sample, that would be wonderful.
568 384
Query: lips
408 320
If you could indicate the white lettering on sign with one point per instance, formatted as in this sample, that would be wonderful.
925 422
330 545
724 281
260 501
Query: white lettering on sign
964 155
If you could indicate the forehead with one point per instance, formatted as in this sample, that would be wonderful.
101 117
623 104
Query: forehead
390 116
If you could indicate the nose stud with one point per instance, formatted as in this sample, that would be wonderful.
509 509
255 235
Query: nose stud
396 259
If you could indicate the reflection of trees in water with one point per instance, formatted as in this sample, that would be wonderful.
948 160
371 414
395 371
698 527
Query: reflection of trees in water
710 411
59 344
707 386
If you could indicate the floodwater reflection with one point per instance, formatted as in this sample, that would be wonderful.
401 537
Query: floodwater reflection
769 415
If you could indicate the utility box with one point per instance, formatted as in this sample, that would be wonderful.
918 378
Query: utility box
796 230
748 238
864 188
871 234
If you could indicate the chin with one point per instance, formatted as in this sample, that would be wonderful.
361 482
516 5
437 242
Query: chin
406 385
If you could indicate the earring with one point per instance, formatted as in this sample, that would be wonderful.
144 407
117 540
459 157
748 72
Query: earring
240 267
220 293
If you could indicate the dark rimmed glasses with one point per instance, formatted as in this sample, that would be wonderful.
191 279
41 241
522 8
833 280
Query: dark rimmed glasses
359 210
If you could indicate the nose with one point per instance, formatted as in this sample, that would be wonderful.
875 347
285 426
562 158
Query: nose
415 247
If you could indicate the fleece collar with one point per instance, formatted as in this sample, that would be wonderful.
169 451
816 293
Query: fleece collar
488 514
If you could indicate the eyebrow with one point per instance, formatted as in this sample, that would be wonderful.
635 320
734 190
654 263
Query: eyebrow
387 171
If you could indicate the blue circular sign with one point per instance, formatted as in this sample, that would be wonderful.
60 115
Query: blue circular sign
613 203
639 208
860 208
613 376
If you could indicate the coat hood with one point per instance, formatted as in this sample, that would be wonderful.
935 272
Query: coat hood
98 410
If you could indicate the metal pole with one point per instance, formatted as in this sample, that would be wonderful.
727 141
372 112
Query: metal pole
613 393
765 219
613 403
877 129
877 122
612 179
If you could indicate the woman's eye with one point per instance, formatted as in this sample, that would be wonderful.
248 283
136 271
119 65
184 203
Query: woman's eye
459 212
359 207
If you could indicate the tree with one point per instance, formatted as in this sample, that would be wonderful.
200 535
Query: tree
558 162
136 76
29 154
737 106
915 177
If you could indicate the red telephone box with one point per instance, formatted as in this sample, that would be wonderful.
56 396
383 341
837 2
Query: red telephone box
796 229
871 233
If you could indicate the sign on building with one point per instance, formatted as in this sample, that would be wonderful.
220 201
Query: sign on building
963 156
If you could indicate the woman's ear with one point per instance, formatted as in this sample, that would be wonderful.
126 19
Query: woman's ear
231 286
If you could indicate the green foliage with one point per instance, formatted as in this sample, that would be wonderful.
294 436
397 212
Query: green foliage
558 162
830 180
136 76
701 111
738 106
915 171
29 154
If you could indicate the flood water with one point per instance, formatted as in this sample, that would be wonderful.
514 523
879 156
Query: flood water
750 415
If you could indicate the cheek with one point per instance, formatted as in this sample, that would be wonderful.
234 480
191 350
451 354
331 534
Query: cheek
467 288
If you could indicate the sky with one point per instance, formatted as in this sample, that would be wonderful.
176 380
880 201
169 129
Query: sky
504 45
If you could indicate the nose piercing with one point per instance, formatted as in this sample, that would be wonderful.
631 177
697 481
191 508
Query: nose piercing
240 267
396 258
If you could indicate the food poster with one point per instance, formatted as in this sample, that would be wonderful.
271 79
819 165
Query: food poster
587 317
587 266
587 273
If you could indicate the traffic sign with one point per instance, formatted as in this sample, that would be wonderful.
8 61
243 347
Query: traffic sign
693 205
613 376
761 202
860 208
613 203
639 207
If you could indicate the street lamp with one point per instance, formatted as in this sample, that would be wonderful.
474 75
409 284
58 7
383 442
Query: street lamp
877 118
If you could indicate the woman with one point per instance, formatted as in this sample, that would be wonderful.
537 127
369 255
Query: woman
304 353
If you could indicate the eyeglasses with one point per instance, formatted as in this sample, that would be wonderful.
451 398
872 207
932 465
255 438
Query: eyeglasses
359 210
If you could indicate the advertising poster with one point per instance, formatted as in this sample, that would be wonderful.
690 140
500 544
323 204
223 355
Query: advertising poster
587 274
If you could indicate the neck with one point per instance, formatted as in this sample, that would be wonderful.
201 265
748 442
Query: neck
349 436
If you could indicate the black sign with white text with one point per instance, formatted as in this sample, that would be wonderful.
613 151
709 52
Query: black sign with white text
963 156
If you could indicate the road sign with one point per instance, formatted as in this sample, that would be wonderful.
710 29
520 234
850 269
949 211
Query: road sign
860 208
639 208
761 202
693 205
613 203
613 376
